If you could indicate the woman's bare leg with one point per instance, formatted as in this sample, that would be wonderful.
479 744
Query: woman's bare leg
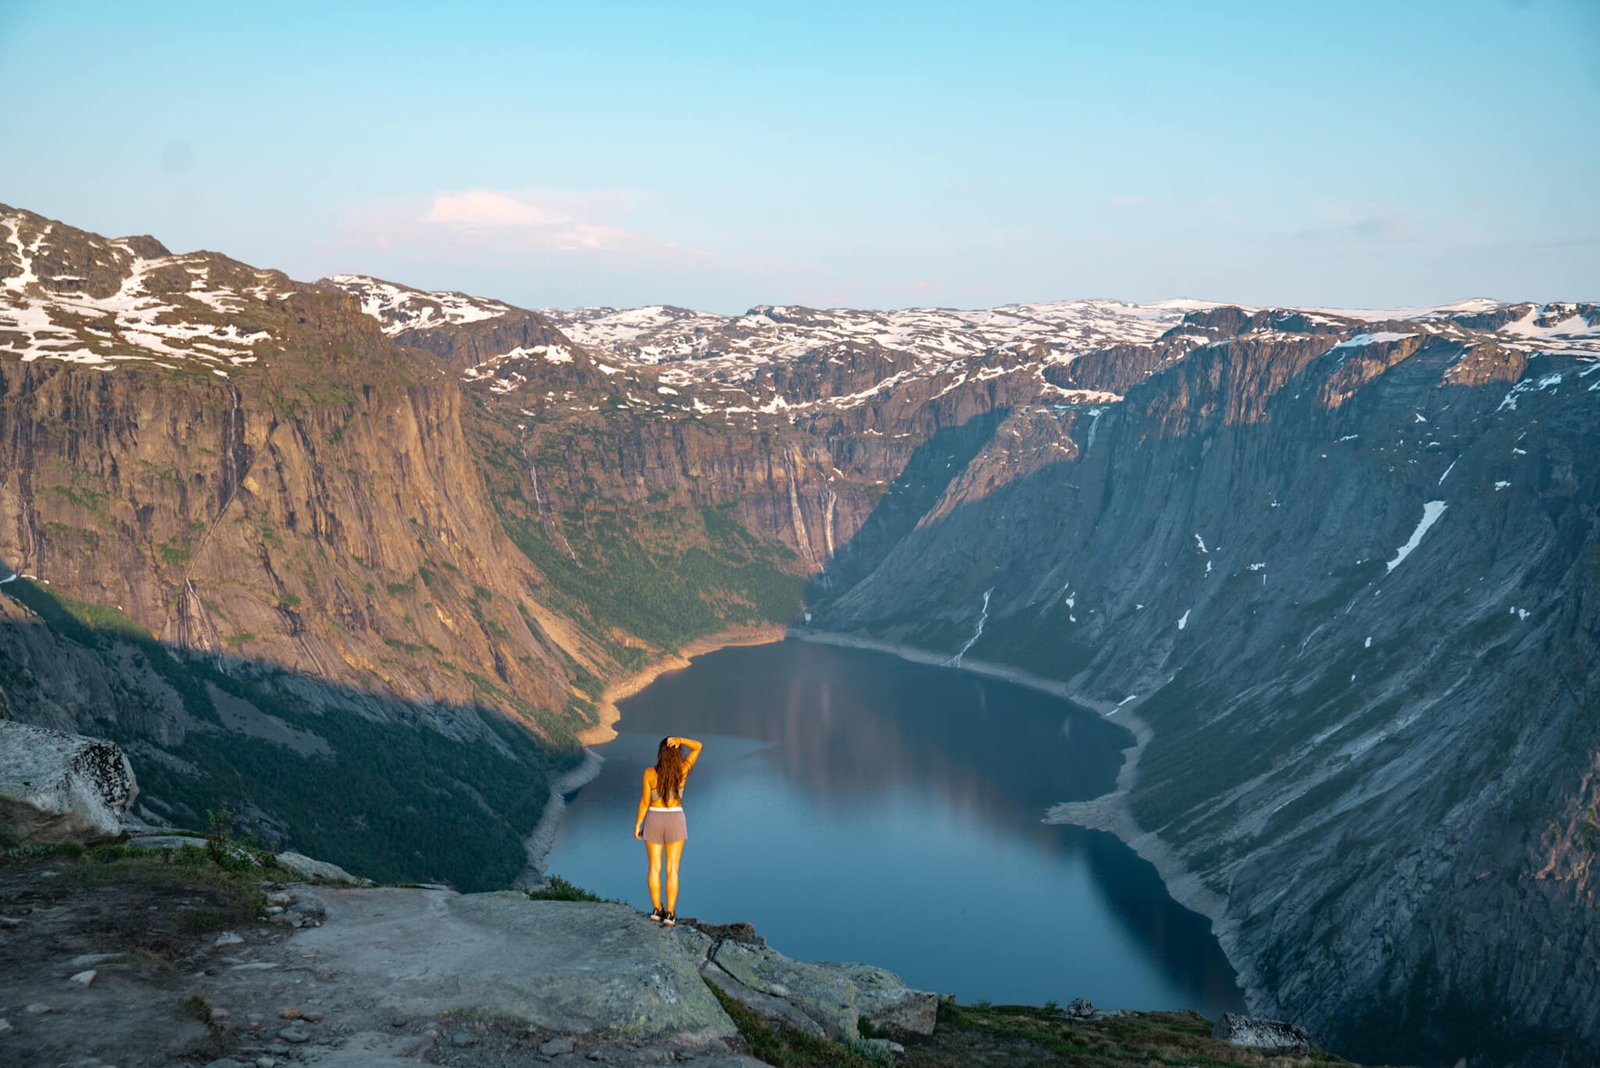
674 852
653 849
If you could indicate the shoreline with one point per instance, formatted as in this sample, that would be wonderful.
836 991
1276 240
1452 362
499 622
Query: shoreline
1109 812
537 844
628 685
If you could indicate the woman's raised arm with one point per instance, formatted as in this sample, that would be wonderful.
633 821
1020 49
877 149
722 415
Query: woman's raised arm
690 744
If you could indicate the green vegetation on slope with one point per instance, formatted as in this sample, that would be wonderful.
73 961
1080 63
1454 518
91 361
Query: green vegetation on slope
393 801
1025 1035
661 573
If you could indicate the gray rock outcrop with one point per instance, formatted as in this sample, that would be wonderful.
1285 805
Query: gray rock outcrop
309 868
58 787
884 1000
1268 1036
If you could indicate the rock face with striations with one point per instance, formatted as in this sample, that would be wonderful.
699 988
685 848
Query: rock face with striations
57 787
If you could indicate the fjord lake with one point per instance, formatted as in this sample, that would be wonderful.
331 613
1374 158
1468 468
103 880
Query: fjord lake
856 806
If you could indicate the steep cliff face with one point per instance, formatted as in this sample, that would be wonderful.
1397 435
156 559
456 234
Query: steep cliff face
312 505
1351 585
236 494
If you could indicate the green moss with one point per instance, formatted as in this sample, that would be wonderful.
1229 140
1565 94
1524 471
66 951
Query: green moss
786 1046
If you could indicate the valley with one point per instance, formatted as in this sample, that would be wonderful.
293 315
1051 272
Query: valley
358 562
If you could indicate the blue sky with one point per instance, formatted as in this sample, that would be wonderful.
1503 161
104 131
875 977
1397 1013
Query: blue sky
873 155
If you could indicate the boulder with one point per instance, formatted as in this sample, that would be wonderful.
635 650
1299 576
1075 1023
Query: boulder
307 868
58 787
1269 1036
885 1001
820 993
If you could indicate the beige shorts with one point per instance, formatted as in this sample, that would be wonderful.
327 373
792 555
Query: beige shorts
663 827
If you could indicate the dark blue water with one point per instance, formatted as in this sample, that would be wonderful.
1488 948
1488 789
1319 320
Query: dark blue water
855 806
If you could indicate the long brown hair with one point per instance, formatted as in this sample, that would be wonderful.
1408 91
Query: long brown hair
670 772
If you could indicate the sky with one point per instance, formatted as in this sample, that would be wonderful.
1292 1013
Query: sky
722 155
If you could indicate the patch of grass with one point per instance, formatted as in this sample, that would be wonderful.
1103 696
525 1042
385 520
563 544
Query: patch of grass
559 889
786 1046
31 851
196 1006
206 921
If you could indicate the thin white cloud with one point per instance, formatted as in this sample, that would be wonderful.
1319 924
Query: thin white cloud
1128 201
497 224
557 222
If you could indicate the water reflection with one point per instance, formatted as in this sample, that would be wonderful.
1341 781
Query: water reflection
857 806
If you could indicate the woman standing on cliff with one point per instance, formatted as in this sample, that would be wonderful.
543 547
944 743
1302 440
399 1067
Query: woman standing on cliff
660 823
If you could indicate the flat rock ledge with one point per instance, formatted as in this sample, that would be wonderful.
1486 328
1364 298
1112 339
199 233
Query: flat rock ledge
599 972
347 975
58 787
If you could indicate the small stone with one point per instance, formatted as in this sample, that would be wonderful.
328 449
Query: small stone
266 1062
557 1046
295 1035
10 921
289 1014
227 938
273 910
314 1017
595 1055
399 1021
5 1025
224 1062
38 1008
84 978
461 1038
1081 1009
220 1014
280 899
279 1048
